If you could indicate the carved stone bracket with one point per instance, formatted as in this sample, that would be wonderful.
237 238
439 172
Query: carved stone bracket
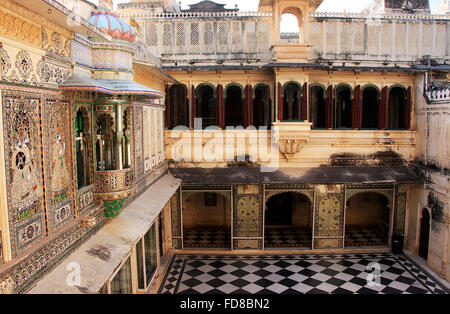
291 137
289 148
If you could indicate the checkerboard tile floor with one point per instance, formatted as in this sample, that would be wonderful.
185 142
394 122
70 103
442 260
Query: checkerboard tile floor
283 237
295 274
364 236
207 237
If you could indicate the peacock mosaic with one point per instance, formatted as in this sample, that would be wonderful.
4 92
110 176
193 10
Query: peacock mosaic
57 161
23 168
248 217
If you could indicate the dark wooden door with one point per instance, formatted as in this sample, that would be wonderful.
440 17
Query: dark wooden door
161 235
424 234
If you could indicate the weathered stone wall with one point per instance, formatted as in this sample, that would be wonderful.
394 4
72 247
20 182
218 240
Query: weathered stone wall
432 160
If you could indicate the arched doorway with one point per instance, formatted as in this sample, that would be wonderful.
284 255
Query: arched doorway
343 107
206 105
288 221
370 101
207 221
317 106
83 146
262 106
179 106
234 106
424 234
292 98
397 107
367 220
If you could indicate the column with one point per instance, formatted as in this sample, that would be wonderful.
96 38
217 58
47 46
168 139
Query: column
119 140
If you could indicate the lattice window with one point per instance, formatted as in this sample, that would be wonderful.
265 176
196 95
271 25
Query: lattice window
251 36
315 36
372 39
331 38
181 38
400 37
209 37
222 37
427 39
151 34
346 45
413 39
167 38
263 36
386 38
195 34
358 35
236 37
441 39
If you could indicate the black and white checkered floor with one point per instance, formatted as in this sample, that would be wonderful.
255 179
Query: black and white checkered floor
285 237
295 274
365 236
207 237
280 237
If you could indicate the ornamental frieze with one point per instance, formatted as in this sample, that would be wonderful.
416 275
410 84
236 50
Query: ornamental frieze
18 29
23 68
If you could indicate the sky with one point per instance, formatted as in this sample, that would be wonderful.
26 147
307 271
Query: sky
289 23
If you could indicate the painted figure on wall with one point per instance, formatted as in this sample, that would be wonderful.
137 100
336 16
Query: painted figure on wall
25 181
60 175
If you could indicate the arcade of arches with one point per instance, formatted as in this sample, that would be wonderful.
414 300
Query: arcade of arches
334 107
288 220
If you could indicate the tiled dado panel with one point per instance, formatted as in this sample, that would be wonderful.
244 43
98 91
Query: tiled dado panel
175 209
248 229
329 217
20 277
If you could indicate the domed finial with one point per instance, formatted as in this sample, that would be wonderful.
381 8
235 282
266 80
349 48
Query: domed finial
106 5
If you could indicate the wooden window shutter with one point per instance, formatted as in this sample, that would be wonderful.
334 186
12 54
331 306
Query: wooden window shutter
280 103
194 107
168 108
383 108
329 107
407 117
220 108
304 103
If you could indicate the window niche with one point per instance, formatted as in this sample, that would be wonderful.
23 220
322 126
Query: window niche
83 147
114 138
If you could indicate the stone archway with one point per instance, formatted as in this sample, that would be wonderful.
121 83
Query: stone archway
288 221
367 220
207 220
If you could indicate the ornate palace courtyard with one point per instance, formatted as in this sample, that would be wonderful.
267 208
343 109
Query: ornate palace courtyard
296 274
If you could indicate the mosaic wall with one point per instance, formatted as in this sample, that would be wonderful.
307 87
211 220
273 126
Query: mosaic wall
139 141
176 223
400 209
329 217
57 139
248 217
22 144
24 67
85 195
20 278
